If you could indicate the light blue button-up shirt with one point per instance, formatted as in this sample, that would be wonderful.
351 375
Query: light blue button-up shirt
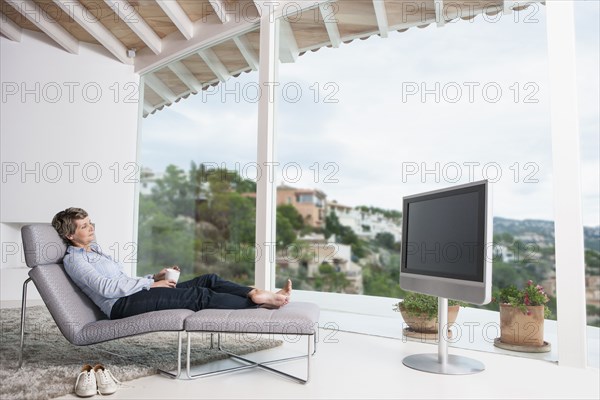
100 277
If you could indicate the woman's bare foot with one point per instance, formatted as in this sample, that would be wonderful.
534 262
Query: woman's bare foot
287 289
267 299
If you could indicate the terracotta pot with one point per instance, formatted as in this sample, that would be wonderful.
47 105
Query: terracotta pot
425 324
522 328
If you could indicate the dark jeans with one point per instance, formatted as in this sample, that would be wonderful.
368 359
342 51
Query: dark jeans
206 291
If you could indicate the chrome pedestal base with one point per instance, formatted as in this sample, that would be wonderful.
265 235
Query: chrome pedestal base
455 365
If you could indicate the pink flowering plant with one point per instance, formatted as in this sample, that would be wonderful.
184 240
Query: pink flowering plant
530 295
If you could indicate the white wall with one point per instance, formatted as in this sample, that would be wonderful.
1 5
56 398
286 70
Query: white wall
68 131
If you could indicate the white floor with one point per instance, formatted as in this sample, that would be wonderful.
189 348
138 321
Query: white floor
352 365
356 366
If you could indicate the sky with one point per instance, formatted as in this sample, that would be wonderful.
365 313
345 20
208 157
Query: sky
382 118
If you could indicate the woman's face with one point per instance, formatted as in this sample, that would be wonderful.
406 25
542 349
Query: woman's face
84 233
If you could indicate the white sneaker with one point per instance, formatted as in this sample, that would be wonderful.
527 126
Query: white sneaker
106 382
85 385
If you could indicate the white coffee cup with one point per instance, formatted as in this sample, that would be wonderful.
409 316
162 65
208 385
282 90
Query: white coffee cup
172 275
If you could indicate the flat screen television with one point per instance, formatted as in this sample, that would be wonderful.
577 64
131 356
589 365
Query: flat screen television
446 247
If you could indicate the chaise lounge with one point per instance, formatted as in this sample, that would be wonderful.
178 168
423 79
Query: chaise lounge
82 323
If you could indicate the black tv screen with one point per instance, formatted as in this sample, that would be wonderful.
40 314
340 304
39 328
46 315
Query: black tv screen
444 242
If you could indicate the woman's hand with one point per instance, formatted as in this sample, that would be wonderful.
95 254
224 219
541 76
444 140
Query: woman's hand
161 275
163 283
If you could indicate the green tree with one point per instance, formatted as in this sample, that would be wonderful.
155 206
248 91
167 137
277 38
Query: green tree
199 221
507 238
389 214
592 262
284 231
331 280
505 275
163 240
386 240
345 235
242 219
245 186
173 193
231 214
223 205
289 212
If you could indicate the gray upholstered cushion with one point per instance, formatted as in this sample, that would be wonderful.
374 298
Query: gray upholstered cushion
293 318
154 321
81 321
78 318
42 245
69 306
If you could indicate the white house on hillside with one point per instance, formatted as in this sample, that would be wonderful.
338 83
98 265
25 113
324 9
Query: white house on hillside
365 224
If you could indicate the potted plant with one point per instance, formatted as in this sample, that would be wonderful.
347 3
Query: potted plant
522 315
420 312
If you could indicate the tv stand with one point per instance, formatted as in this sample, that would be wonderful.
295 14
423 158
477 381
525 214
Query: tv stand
442 363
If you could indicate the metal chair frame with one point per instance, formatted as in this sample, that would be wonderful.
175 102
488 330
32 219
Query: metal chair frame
247 363
22 340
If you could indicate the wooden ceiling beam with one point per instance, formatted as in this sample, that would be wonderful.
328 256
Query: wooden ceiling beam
331 24
247 51
214 63
9 29
381 16
95 28
175 47
208 31
36 15
260 6
148 108
160 88
439 13
136 23
285 8
220 9
509 6
179 17
288 46
185 76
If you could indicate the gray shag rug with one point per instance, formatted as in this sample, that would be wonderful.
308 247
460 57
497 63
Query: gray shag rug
51 364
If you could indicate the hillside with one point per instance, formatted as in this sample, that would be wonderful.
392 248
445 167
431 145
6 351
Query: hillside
542 232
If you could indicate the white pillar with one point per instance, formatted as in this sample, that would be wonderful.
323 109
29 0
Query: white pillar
568 226
264 268
138 184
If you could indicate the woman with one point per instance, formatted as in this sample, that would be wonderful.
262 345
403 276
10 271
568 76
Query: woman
118 295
